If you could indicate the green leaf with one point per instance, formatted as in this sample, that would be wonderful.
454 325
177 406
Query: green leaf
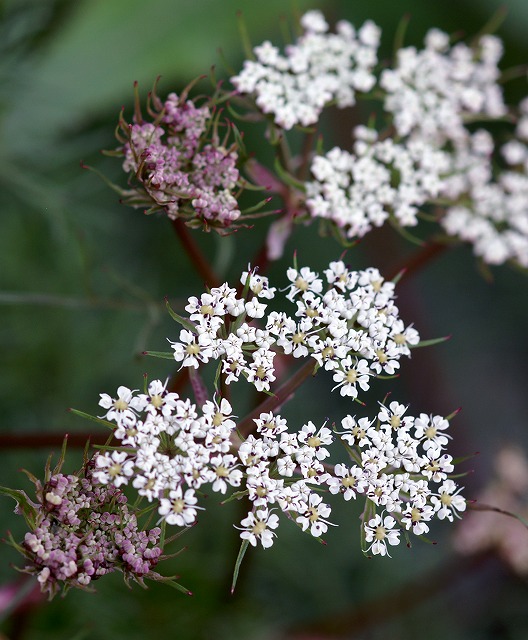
87 416
185 323
25 507
368 513
235 496
159 354
171 581
430 343
405 234
62 456
399 37
240 557
286 177
244 36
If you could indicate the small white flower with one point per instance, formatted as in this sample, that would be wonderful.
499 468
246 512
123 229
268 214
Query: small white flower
314 517
123 408
179 508
414 518
351 374
380 532
113 468
430 430
348 482
302 281
224 468
257 527
447 503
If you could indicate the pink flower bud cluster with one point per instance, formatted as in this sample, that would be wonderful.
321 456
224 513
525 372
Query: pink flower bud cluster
181 165
85 531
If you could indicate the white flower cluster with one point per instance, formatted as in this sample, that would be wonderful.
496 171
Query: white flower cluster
493 210
432 92
321 67
352 329
382 178
170 450
431 95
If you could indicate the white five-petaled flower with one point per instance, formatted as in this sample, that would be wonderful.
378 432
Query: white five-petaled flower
431 430
257 527
380 532
415 517
447 503
123 408
193 348
113 468
314 516
351 374
179 508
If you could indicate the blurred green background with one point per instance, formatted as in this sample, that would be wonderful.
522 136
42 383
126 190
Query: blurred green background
82 281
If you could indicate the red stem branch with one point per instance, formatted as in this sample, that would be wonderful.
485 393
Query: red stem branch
194 252
419 259
41 440
279 398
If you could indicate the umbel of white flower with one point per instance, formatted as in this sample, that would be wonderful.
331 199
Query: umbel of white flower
348 325
319 68
420 156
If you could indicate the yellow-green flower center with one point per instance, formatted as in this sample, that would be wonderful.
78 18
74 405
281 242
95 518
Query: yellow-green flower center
114 469
301 284
314 515
258 528
313 441
178 505
328 352
218 418
381 533
446 499
260 373
120 404
416 515
430 433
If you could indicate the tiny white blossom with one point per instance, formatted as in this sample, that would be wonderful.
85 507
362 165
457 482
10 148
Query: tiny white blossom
380 532
179 508
258 526
448 503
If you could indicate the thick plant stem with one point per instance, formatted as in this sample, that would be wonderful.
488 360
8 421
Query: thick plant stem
279 398
195 254
419 259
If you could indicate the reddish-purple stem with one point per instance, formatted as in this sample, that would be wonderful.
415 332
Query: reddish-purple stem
279 398
195 254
